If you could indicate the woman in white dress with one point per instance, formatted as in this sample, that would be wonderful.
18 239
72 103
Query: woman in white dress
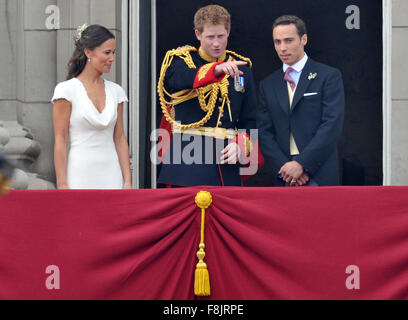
88 118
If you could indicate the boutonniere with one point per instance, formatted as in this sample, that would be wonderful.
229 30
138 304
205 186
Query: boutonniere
312 76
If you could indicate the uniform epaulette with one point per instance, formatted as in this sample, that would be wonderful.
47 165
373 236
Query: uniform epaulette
184 50
240 57
184 53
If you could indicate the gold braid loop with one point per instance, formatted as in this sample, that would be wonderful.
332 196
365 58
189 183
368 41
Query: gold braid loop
183 53
185 95
224 94
213 97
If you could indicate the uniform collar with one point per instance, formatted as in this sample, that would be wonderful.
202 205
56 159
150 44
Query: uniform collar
208 58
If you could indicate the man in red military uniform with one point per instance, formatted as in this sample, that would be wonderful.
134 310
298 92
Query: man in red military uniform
207 97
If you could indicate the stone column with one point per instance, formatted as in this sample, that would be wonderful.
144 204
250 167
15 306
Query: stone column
399 128
36 78
8 42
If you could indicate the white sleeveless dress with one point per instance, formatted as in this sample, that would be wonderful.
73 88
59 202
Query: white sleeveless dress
92 162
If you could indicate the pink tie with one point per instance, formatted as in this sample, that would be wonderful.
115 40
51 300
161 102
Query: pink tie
289 79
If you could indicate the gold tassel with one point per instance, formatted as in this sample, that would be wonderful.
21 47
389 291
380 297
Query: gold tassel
203 200
4 184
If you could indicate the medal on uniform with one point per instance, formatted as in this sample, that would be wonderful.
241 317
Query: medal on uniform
239 83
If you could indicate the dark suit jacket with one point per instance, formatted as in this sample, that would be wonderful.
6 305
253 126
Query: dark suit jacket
315 119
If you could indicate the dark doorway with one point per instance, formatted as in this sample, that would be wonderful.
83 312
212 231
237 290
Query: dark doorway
356 52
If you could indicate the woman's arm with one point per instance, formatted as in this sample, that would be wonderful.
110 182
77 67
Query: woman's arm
61 116
122 148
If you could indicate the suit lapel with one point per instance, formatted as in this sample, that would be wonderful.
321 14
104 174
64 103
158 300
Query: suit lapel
303 83
282 92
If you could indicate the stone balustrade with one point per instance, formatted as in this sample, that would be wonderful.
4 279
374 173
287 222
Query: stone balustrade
20 149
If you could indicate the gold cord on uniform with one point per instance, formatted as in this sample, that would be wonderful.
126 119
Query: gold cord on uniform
209 92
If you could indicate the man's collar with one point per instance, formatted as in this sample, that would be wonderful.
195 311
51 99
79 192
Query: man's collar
298 66
208 58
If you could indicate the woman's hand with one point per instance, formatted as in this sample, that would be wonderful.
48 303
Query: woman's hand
127 185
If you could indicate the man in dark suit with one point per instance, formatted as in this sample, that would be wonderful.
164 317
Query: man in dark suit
300 113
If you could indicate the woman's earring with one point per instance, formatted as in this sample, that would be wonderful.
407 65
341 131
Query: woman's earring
89 59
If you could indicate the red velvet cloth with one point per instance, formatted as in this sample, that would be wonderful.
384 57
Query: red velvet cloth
261 243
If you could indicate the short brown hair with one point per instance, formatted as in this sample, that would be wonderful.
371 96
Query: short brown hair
212 14
291 19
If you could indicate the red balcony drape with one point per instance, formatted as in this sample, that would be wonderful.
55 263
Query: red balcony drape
261 243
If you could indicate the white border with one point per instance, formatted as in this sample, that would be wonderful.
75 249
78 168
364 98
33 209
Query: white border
387 92
134 75
153 48
125 61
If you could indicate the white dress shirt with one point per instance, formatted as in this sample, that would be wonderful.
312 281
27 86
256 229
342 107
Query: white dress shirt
298 67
